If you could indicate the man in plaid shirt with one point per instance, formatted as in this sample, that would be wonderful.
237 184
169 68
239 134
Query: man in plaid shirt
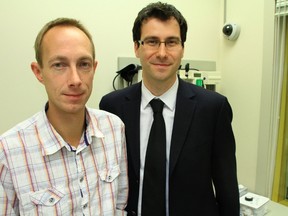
67 159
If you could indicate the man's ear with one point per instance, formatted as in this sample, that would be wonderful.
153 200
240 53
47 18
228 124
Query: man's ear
95 65
136 47
37 71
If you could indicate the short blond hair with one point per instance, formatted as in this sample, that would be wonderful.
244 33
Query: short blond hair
58 22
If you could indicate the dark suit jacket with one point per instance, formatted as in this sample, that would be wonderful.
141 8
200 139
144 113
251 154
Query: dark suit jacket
202 155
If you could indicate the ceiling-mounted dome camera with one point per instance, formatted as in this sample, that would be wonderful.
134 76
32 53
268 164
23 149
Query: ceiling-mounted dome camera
231 31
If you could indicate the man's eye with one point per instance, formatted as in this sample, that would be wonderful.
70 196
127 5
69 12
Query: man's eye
171 43
85 65
58 65
152 42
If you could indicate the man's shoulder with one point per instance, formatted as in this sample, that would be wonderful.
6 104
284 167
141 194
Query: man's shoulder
202 96
100 115
16 136
22 127
123 92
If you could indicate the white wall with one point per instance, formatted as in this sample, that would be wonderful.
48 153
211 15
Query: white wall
247 76
246 64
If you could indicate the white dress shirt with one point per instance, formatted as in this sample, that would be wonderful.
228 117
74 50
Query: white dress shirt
146 119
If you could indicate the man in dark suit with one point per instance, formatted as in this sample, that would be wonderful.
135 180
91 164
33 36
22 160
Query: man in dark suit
200 146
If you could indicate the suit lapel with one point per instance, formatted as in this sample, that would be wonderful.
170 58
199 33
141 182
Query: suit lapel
185 106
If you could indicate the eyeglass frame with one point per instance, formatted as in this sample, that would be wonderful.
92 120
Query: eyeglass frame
157 45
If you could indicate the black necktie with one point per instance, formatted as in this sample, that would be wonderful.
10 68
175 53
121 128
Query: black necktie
153 198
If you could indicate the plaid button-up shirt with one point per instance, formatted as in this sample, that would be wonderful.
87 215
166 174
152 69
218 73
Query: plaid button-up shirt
41 174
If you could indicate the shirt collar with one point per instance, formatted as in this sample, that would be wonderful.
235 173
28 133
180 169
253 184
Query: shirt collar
51 140
92 129
169 97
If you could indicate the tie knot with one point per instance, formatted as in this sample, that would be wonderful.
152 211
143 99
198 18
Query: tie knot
157 105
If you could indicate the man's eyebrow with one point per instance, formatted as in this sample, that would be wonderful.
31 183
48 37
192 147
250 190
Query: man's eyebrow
157 38
63 58
151 37
86 58
57 58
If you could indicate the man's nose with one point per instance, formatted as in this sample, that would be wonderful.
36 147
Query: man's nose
74 77
162 51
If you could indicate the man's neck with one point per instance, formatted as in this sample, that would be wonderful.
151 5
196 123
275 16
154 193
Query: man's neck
158 87
69 126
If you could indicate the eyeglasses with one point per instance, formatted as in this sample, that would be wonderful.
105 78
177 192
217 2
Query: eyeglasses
153 43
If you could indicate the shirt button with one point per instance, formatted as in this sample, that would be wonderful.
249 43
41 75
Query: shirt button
81 179
109 177
85 206
51 200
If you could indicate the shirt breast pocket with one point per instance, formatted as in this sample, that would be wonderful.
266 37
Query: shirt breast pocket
109 175
109 181
45 202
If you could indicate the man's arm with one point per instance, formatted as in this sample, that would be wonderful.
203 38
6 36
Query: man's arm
224 164
9 203
123 179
